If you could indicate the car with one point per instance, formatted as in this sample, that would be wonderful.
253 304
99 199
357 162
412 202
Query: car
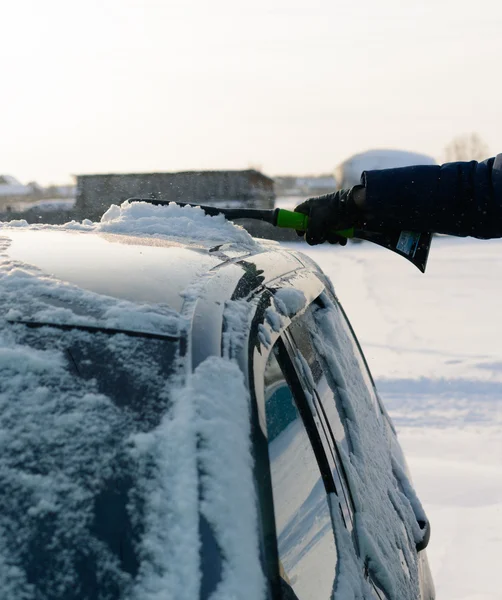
186 413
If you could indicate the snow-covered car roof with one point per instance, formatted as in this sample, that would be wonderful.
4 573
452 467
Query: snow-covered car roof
138 253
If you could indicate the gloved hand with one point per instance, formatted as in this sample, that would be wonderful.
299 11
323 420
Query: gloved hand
327 214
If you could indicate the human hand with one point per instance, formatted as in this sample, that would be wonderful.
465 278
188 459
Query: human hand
330 213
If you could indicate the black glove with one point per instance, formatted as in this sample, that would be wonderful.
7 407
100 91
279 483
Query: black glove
327 214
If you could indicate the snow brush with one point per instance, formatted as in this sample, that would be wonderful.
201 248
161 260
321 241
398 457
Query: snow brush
414 246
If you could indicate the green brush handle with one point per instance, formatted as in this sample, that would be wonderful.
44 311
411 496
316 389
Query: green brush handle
299 221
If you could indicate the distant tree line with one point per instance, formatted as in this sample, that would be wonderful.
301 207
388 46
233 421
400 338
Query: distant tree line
466 147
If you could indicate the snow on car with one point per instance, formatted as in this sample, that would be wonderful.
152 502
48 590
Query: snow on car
186 414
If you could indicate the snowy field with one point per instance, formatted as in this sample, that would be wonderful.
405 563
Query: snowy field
434 345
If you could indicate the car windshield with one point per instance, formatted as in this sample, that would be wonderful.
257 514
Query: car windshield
78 466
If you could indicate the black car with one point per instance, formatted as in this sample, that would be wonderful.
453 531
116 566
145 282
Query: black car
185 418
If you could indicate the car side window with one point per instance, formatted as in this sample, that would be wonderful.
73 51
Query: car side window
331 413
351 345
334 328
306 544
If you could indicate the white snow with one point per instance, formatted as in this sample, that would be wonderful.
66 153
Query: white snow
264 335
63 441
173 221
235 325
349 585
210 414
433 343
168 483
289 301
140 218
273 319
64 446
221 402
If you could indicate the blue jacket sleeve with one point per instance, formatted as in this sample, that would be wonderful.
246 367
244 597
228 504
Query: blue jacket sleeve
460 198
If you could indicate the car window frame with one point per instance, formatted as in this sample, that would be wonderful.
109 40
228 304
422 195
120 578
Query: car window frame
307 349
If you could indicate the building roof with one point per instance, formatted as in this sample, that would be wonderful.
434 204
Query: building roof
249 172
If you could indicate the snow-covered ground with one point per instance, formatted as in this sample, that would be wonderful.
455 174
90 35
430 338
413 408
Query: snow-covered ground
434 345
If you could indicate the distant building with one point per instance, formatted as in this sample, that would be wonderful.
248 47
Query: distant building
313 185
60 192
251 189
348 173
285 185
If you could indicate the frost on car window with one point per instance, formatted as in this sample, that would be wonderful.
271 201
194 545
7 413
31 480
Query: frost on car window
386 511
86 493
73 502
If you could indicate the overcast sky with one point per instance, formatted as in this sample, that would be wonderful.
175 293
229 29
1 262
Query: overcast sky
287 85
